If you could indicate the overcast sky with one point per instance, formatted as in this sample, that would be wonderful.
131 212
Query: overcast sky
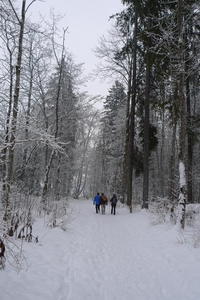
87 20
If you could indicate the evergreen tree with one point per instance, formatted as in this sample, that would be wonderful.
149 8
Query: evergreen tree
111 140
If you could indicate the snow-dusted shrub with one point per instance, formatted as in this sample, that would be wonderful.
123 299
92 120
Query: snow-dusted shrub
192 214
18 229
13 253
196 236
21 225
192 220
161 208
59 214
191 233
67 219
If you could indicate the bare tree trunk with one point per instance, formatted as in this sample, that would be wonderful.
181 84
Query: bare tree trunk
10 161
82 190
183 119
46 181
145 203
78 188
189 124
58 179
162 147
103 183
132 119
31 67
172 184
48 167
8 118
126 148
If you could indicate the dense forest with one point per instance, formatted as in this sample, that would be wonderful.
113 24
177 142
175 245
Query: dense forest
56 144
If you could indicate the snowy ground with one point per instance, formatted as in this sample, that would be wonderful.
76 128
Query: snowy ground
105 257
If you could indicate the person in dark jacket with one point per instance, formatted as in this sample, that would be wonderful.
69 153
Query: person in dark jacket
2 257
97 201
2 248
113 202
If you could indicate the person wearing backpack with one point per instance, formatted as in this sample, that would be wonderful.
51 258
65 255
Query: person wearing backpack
113 202
97 201
104 202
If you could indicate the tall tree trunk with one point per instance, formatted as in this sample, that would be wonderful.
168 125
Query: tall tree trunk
8 118
126 148
46 181
162 147
172 184
132 118
103 181
10 161
189 123
58 179
183 118
145 203
28 111
48 166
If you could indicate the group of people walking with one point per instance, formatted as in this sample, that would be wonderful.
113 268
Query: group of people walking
100 202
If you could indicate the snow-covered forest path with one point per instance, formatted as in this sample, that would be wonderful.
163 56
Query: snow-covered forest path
106 257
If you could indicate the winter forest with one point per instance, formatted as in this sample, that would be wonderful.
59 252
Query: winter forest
60 146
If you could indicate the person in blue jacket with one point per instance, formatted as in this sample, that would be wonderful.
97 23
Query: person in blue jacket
97 201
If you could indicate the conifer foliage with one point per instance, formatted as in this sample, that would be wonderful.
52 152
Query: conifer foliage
154 51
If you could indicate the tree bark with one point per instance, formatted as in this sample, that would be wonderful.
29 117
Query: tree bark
48 166
183 119
10 161
28 112
8 118
172 184
145 203
132 118
126 148
189 124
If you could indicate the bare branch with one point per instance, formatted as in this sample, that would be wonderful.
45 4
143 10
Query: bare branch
30 5
14 11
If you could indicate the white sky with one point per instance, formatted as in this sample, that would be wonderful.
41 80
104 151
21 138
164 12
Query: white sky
87 20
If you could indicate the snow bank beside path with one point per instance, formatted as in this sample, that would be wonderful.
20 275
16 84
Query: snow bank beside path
105 257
